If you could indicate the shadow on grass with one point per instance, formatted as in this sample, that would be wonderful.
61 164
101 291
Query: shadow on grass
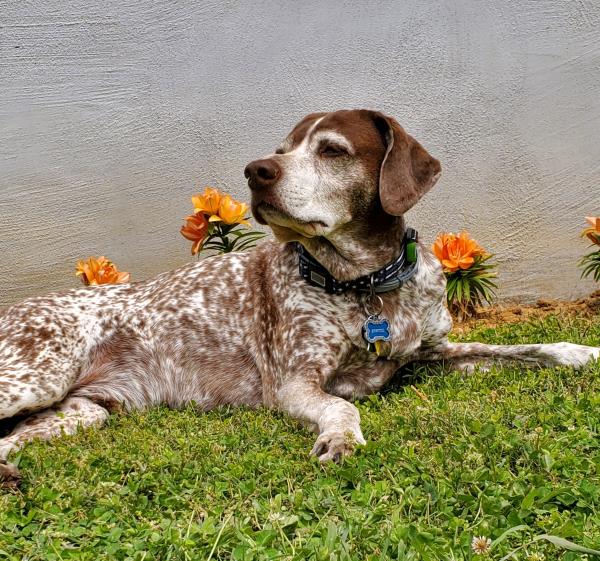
414 373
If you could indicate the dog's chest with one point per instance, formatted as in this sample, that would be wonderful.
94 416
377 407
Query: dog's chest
403 324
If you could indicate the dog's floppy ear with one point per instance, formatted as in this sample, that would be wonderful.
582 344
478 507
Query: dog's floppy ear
407 171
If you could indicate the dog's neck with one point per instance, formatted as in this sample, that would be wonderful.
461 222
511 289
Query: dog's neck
356 251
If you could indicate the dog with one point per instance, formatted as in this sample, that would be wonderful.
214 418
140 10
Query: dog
327 312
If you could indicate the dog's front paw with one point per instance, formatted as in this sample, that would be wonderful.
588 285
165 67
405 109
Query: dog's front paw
569 354
333 446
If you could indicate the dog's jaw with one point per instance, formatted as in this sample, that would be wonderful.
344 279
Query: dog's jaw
351 252
280 221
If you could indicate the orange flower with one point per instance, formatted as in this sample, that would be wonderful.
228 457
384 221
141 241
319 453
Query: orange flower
440 245
208 203
593 233
456 251
231 212
195 230
100 270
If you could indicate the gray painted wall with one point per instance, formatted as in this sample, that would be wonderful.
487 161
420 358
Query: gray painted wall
113 112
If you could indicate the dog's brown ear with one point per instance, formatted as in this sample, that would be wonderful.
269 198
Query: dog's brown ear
407 172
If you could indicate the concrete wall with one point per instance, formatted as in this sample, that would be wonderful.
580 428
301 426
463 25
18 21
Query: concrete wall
113 113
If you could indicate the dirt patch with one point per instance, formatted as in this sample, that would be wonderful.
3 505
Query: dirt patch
511 313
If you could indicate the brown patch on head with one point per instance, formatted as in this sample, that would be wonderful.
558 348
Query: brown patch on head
300 131
359 128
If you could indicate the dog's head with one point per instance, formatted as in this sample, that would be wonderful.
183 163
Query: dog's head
339 169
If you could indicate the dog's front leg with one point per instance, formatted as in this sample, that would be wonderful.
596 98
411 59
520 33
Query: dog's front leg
337 420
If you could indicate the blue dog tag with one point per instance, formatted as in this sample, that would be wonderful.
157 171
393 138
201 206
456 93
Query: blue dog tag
376 329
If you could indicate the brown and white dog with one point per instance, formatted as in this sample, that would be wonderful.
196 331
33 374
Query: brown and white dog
246 328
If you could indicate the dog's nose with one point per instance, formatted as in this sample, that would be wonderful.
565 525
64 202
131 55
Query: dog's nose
262 173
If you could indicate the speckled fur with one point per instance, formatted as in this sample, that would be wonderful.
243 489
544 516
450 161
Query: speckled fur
244 328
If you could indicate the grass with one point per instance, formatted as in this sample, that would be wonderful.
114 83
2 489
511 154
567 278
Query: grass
511 454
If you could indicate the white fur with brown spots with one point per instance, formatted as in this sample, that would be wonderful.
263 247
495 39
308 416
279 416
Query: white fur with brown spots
244 328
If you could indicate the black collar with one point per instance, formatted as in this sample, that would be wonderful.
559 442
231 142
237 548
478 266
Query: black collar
390 277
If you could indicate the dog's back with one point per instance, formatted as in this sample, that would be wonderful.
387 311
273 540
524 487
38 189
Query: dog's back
137 345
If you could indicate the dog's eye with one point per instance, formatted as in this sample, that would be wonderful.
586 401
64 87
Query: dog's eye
279 151
332 151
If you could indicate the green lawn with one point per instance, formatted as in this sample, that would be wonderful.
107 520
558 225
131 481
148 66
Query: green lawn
450 456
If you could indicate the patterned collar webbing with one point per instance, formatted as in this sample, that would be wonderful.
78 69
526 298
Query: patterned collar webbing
390 277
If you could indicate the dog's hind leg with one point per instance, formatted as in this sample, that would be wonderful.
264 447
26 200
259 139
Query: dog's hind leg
64 418
467 355
27 388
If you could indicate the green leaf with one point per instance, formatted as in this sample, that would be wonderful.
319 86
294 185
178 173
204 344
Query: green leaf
591 265
247 244
507 533
247 233
529 499
467 292
566 544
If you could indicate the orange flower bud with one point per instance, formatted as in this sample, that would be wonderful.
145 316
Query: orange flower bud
195 230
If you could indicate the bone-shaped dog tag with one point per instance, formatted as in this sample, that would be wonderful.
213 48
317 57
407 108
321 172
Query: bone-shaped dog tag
375 329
